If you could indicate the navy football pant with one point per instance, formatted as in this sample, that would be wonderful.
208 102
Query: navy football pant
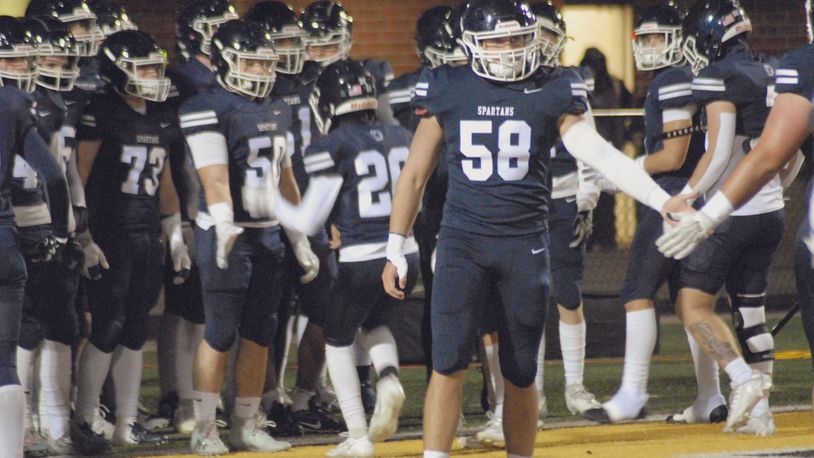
469 269
567 264
12 289
242 299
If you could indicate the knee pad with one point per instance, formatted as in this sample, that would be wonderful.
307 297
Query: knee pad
520 370
106 337
8 363
749 320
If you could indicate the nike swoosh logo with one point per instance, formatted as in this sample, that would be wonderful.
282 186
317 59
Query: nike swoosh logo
70 102
570 199
532 91
198 399
164 125
43 114
315 425
537 251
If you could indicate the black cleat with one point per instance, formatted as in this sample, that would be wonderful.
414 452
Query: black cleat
316 421
282 422
87 442
138 435
368 396
719 414
601 416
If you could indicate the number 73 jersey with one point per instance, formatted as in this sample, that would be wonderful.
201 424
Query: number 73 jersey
498 138
123 187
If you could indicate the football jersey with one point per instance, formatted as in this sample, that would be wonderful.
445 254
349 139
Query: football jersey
498 140
192 74
256 138
671 88
369 158
123 187
400 92
295 93
747 82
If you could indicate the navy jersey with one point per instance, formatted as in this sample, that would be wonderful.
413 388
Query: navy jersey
295 93
671 88
123 188
498 139
795 75
369 159
400 92
562 162
256 137
192 74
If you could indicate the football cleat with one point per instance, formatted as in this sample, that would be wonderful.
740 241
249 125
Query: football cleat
717 415
744 397
389 401
492 434
61 446
353 448
135 434
86 441
578 400
281 422
250 435
184 417
762 426
206 441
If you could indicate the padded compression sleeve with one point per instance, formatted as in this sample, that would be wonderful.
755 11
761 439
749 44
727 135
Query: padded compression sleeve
720 155
317 203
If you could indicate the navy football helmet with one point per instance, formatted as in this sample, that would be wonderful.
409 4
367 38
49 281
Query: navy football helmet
662 21
512 22
708 25
436 38
77 15
52 39
552 35
133 63
111 18
239 46
198 22
343 87
281 22
327 24
18 56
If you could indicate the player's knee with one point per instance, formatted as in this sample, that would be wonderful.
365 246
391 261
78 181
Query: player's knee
260 331
448 362
569 297
107 337
519 373
8 364
135 337
749 319
220 338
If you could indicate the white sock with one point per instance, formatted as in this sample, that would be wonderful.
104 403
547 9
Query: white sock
12 408
126 372
169 333
342 367
93 368
640 340
185 351
738 371
300 398
435 454
289 330
55 374
496 377
246 408
572 344
204 406
25 372
706 372
302 322
764 367
539 379
382 348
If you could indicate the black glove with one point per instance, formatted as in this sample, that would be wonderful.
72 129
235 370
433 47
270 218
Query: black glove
71 256
583 226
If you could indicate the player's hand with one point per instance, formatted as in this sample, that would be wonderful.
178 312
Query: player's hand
583 226
681 203
95 260
307 260
680 240
71 255
179 253
605 185
390 281
226 234
396 259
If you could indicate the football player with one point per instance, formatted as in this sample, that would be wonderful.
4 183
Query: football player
182 324
124 139
18 71
354 167
237 136
673 142
294 85
499 117
736 88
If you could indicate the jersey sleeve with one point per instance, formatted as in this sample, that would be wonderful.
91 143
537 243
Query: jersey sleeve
428 99
322 157
571 92
674 90
91 121
794 75
713 84
196 115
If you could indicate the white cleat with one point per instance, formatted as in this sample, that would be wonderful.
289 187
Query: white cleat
101 425
389 401
353 448
492 434
578 400
743 399
206 441
761 426
252 437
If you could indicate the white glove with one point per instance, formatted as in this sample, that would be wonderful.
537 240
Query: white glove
583 226
95 259
680 240
258 201
395 254
607 186
225 231
305 257
179 252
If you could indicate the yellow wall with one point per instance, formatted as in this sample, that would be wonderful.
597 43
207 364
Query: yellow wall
14 8
607 27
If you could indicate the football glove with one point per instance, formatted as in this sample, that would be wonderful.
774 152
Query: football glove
226 232
583 226
308 261
179 253
95 259
680 240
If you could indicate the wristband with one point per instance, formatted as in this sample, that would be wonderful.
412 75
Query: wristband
395 245
718 208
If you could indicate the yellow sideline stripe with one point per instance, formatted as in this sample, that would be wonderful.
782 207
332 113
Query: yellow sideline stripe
795 430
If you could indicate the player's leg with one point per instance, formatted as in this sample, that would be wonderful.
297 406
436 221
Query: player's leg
258 324
492 434
524 287
461 287
12 398
804 280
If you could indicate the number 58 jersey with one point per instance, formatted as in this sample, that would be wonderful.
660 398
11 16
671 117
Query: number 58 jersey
123 188
498 138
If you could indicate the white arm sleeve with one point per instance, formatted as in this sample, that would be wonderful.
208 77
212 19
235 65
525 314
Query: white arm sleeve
684 113
585 144
208 148
721 153
589 190
316 205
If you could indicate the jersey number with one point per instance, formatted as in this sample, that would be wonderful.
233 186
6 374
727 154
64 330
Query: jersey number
771 94
138 157
514 150
381 175
24 172
262 166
